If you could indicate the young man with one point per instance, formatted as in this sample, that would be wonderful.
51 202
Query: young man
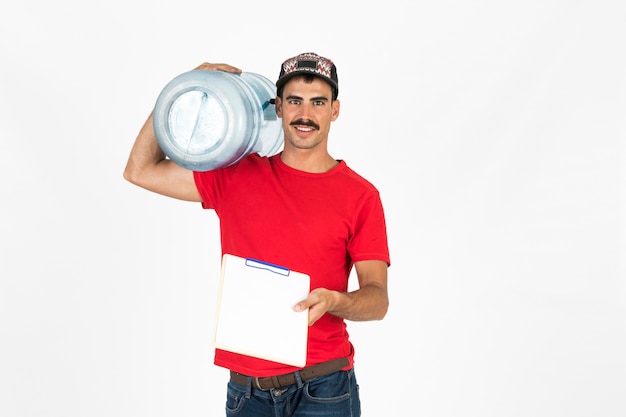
303 209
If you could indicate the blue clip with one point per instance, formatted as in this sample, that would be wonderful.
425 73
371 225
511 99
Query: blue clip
277 269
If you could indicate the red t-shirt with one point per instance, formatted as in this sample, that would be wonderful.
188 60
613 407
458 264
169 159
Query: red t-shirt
317 224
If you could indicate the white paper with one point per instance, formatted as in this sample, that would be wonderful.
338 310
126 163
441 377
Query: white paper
255 315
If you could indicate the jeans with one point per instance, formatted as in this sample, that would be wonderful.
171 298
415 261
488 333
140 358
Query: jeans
333 395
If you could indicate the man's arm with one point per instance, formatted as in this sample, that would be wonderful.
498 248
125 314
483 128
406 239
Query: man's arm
369 302
148 167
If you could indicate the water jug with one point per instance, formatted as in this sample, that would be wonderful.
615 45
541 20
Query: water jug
205 120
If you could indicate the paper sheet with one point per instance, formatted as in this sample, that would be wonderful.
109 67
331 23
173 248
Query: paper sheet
255 315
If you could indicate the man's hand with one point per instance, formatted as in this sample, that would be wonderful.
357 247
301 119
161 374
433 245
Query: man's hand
319 301
218 67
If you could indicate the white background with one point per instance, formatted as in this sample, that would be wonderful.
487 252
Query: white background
494 131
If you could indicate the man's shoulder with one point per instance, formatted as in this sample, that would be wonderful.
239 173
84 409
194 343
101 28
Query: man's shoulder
358 179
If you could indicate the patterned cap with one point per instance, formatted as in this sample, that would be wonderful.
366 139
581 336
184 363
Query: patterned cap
309 63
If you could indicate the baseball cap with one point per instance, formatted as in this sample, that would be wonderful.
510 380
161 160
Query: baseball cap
309 63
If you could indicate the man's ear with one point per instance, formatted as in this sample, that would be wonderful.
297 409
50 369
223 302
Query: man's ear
278 107
335 110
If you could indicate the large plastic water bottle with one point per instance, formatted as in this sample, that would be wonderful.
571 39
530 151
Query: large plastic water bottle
205 120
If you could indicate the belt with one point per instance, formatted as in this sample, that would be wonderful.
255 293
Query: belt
279 381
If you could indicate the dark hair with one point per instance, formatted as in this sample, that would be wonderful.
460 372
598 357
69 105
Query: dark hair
308 78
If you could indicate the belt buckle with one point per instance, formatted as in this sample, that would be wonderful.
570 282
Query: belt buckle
258 385
273 380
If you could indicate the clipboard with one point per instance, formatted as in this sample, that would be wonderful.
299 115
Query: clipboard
255 315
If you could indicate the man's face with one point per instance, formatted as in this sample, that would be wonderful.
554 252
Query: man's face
307 111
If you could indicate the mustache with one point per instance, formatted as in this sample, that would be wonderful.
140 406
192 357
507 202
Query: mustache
302 122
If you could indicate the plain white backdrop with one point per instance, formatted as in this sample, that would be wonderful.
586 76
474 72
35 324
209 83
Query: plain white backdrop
494 131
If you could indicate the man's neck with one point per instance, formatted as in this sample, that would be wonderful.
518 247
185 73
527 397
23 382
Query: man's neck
308 160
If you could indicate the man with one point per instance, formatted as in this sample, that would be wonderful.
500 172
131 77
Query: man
302 209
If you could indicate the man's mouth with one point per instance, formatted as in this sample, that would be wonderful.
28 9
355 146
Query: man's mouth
305 125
